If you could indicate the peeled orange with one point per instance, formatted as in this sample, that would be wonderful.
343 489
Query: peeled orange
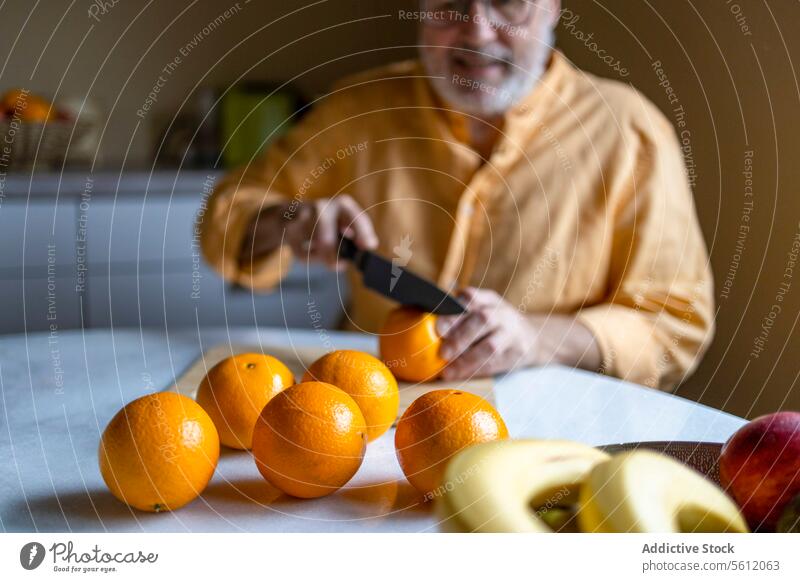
236 390
159 452
310 439
438 425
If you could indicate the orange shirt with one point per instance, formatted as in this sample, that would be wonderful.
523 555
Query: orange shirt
583 208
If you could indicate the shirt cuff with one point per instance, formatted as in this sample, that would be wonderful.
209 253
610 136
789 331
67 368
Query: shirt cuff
224 233
628 344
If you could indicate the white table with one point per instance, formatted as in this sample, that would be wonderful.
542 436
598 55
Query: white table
50 480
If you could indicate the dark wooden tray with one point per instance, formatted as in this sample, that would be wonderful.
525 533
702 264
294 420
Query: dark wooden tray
700 456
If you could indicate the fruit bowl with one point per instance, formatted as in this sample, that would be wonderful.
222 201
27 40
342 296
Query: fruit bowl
701 456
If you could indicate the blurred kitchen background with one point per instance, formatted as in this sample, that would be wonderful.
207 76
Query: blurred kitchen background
157 98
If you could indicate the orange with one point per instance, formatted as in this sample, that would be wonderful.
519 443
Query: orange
28 106
366 380
310 439
159 452
438 425
409 345
236 390
38 110
14 98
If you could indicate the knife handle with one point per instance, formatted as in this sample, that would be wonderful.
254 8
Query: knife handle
348 249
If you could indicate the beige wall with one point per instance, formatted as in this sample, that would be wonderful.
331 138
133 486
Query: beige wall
737 88
739 92
122 56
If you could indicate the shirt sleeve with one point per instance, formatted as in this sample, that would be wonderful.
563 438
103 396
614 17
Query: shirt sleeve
657 319
296 167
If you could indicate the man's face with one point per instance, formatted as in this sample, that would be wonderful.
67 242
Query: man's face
484 61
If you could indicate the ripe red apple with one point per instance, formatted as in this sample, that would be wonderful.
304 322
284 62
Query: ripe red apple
760 467
790 518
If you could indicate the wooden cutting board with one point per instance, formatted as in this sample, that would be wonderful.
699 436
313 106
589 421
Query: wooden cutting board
299 358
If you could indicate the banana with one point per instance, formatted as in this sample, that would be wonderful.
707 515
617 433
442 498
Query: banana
645 492
495 486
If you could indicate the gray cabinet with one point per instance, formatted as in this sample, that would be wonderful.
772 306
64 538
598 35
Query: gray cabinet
154 229
36 233
37 265
180 299
106 250
39 304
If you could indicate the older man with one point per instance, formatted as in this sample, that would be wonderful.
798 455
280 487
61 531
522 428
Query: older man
556 201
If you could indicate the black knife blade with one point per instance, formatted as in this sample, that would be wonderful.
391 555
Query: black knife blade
398 283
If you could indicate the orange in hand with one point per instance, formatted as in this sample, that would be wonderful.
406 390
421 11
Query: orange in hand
159 452
438 425
367 380
236 390
310 439
409 345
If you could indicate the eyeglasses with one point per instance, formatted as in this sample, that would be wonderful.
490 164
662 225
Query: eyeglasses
443 13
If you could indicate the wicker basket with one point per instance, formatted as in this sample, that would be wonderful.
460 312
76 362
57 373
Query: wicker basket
24 144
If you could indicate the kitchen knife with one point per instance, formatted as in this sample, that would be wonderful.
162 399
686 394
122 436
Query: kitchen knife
397 283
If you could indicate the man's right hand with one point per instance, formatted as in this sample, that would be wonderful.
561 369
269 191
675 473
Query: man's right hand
312 229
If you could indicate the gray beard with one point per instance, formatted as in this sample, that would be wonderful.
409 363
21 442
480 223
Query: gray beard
482 103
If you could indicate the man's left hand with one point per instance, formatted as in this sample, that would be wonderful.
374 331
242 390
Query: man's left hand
493 337
490 338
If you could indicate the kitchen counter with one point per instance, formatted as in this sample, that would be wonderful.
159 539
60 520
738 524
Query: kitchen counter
60 390
77 183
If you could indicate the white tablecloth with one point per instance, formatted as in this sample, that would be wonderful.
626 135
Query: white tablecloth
59 392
